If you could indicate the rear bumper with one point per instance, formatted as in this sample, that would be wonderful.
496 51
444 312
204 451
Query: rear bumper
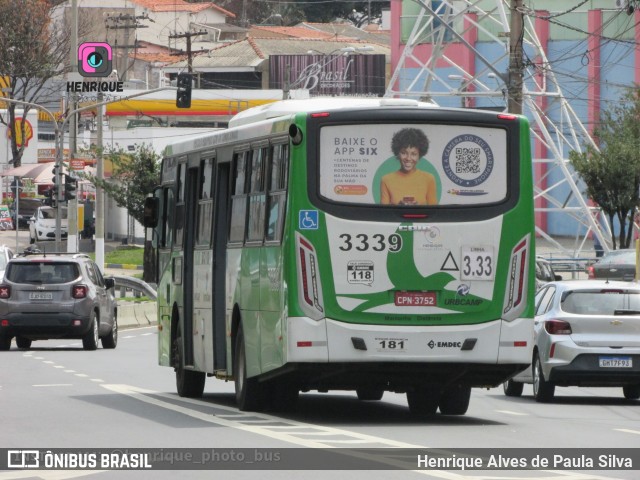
41 326
584 371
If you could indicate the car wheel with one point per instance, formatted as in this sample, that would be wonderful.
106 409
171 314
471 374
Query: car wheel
512 388
189 383
91 338
111 340
369 394
542 389
250 394
5 343
631 392
423 402
23 343
455 400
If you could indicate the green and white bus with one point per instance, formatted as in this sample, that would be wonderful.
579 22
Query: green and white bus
300 249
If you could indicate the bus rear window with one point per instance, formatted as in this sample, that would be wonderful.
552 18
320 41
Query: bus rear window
409 165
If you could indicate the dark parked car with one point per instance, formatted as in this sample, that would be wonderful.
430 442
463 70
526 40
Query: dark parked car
544 272
26 209
615 265
58 295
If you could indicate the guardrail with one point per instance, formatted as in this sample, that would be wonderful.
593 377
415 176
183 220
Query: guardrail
125 282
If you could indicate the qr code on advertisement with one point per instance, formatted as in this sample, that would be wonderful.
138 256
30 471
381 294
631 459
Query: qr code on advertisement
467 160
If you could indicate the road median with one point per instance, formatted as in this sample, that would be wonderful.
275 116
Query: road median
137 314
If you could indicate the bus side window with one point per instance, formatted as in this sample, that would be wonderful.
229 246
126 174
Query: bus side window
205 203
277 192
178 212
238 199
257 198
166 240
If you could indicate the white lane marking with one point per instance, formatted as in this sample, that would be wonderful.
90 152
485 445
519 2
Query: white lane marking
69 371
276 432
510 412
53 385
626 430
81 375
98 380
58 366
48 362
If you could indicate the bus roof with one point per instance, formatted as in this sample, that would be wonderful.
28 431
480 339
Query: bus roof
319 104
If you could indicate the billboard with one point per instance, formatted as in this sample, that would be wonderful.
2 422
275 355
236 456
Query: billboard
333 75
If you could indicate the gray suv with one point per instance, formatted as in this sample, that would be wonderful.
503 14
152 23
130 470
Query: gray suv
57 295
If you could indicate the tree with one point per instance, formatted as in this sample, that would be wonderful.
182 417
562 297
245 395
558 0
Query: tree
612 174
134 176
33 52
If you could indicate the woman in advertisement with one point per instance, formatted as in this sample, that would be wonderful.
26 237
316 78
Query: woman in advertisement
408 185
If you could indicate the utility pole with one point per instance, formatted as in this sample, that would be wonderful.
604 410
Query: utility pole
72 207
515 74
187 36
125 22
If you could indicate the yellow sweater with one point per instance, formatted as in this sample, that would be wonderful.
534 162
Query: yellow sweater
406 188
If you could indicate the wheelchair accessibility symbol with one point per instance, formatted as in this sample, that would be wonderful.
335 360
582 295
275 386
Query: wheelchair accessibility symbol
308 220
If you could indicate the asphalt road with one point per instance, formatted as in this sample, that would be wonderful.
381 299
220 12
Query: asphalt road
57 395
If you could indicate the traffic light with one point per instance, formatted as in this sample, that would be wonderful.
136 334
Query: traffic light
48 197
54 195
183 94
70 186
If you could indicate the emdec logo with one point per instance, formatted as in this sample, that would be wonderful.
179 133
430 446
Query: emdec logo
95 60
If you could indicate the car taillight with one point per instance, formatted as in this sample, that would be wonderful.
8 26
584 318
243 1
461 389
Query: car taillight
590 272
557 327
79 291
5 291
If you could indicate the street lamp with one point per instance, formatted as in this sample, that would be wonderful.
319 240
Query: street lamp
462 90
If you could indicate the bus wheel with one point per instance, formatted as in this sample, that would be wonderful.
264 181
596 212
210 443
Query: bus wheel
542 390
371 394
189 383
250 395
284 398
423 402
455 400
631 392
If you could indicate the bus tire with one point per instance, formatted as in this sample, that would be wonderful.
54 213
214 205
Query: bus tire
631 392
284 398
5 343
369 394
423 402
250 394
455 400
189 383
543 390
512 388
23 343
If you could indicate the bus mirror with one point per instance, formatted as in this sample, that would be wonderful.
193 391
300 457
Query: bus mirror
296 134
151 212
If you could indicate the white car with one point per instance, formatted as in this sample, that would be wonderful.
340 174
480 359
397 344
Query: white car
587 334
42 225
6 254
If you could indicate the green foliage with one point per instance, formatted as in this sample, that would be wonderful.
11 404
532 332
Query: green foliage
133 178
124 255
612 173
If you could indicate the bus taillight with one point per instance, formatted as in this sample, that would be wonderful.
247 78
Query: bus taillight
516 292
309 285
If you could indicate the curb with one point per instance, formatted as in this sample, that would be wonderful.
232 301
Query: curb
132 314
